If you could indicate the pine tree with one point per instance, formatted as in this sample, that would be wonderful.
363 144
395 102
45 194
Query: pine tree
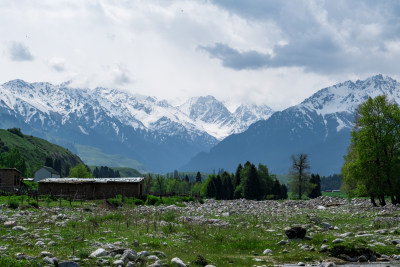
250 182
48 162
198 177
315 180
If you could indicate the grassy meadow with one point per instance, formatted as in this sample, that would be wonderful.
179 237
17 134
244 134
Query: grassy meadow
73 230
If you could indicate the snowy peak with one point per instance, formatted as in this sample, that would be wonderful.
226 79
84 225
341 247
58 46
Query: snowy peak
345 97
253 112
199 116
206 109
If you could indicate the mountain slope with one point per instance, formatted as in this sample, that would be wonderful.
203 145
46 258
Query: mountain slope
152 133
319 126
35 150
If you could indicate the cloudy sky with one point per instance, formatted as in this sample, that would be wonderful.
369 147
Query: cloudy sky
254 51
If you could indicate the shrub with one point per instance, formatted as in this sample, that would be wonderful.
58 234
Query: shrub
201 201
33 203
115 202
138 202
13 203
153 200
83 253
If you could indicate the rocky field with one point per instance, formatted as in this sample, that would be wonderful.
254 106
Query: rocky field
323 231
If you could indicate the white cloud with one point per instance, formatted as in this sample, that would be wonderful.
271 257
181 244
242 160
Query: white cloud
270 52
58 64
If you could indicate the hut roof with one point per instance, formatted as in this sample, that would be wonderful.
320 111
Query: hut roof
92 180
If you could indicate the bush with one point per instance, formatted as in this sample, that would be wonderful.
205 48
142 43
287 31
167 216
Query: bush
13 203
33 203
137 202
153 200
115 202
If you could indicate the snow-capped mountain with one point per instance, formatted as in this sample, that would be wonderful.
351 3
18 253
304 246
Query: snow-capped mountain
319 126
212 116
153 132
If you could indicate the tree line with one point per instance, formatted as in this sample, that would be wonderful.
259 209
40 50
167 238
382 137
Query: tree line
248 182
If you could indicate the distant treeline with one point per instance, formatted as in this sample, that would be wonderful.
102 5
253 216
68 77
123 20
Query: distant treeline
331 182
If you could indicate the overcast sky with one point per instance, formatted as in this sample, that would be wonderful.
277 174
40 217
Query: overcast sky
241 51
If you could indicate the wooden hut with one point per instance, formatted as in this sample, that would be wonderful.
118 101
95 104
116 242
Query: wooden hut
92 188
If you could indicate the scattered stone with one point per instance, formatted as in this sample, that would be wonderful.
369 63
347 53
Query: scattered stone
143 253
119 263
178 262
98 253
362 258
282 242
267 251
46 254
337 241
323 248
135 243
153 258
10 224
19 228
52 261
395 241
327 225
296 232
160 254
301 264
328 264
40 243
347 234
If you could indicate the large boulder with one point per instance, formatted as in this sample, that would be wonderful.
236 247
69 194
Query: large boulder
296 232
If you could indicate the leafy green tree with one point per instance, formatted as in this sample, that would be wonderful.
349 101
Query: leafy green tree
372 163
299 177
80 171
147 183
315 181
160 184
14 159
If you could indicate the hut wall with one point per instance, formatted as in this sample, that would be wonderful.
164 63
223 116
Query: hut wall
10 177
91 190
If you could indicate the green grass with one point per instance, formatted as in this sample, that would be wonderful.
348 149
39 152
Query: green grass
246 237
340 194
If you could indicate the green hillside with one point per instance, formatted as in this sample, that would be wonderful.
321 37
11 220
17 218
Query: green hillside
96 157
123 171
35 150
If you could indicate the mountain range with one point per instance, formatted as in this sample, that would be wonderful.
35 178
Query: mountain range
319 126
112 127
141 131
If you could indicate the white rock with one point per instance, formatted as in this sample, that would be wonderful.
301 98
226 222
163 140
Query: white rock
10 224
177 261
19 228
267 251
99 253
